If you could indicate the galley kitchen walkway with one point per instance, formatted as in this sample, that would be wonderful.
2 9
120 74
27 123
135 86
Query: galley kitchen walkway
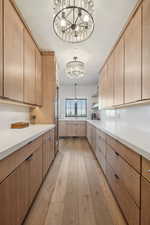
75 191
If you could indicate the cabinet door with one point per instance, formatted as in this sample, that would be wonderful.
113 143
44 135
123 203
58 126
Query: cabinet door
29 69
38 78
105 86
1 49
110 80
119 73
47 155
145 202
13 53
80 130
62 129
133 59
14 196
146 50
35 172
52 145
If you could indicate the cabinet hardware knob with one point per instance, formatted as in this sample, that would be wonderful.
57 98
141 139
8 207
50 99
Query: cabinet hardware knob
29 158
30 142
117 153
117 177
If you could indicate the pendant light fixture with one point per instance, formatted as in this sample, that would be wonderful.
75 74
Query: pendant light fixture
73 20
75 69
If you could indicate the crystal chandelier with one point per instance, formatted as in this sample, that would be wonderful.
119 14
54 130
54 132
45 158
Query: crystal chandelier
73 20
75 69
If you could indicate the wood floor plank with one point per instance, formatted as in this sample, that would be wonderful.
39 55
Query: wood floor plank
55 214
109 201
71 213
40 207
75 191
61 184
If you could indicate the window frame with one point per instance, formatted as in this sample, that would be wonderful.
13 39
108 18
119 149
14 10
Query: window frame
76 108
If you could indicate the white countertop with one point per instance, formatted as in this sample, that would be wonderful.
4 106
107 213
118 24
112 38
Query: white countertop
137 140
13 139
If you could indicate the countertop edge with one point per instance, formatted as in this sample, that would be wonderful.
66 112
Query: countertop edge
23 143
131 146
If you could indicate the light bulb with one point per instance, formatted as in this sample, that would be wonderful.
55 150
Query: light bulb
86 18
63 23
77 28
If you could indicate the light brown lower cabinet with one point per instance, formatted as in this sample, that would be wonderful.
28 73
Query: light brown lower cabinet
72 128
122 168
15 195
128 207
20 184
48 151
145 202
91 135
36 173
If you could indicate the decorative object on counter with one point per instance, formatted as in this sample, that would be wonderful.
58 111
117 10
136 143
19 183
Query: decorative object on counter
73 20
75 69
33 119
19 125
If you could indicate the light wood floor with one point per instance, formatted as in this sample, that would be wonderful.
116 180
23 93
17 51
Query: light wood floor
75 191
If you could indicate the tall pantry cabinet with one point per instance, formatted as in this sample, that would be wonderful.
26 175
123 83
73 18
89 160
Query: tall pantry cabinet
1 50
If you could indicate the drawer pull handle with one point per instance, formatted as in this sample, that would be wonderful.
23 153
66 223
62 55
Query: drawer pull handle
117 177
29 158
30 142
117 153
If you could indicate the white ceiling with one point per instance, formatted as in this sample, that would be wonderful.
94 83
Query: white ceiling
110 17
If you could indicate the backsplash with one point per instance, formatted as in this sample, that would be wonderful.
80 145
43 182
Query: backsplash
137 117
12 113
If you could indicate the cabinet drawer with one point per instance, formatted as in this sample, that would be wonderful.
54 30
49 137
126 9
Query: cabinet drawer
126 174
146 168
130 156
46 136
100 144
11 162
129 209
101 134
101 159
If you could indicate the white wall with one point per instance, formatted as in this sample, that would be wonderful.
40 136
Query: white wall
67 91
135 117
12 113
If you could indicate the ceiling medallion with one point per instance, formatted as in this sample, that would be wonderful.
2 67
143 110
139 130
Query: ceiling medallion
73 20
75 69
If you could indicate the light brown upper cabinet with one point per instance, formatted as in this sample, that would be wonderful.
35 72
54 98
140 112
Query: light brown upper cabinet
110 80
103 86
146 50
133 59
38 78
29 69
1 49
119 73
13 53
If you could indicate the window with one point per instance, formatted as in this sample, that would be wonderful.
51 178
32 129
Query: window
76 107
